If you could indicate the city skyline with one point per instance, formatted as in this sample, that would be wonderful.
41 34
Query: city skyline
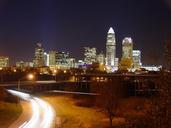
85 63
59 24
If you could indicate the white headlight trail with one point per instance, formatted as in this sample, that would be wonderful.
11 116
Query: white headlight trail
43 114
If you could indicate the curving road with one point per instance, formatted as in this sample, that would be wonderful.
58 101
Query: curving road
43 115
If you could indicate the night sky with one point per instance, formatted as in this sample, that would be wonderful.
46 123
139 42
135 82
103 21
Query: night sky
69 25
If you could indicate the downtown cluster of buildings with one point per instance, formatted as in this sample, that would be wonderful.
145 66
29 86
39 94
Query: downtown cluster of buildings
130 60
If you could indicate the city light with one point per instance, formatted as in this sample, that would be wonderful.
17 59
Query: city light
55 71
30 76
97 64
65 71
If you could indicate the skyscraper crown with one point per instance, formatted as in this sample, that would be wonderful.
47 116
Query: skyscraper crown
111 30
127 40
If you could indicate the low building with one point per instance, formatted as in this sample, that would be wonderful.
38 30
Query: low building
152 68
137 59
4 61
23 64
101 58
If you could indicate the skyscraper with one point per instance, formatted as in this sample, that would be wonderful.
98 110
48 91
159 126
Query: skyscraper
89 55
127 54
39 58
52 58
110 48
46 59
62 60
127 48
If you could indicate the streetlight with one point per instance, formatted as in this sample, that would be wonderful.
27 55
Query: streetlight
1 70
29 77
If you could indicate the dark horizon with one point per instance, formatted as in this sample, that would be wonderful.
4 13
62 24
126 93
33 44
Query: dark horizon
71 25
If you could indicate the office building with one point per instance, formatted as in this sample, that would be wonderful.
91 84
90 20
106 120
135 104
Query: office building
89 55
39 58
110 48
46 59
23 64
127 48
4 62
71 63
101 58
62 60
126 62
137 59
52 58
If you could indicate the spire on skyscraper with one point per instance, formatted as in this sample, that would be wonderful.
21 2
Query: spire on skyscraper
111 30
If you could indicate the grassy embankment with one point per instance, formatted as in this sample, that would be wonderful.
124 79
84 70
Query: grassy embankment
72 115
75 111
10 110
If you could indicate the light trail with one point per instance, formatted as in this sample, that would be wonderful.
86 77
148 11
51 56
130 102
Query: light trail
70 92
43 113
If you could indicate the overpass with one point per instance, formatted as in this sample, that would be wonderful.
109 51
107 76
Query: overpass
135 84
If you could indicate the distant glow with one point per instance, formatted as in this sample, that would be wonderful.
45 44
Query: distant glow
43 113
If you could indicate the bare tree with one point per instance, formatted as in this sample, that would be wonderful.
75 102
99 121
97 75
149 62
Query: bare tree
159 114
108 100
167 55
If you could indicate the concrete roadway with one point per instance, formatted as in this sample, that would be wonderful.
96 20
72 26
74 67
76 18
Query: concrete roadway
36 112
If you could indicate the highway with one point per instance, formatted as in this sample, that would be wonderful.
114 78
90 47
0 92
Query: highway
71 92
43 114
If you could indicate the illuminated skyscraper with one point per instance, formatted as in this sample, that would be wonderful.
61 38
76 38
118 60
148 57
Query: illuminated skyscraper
52 58
89 55
127 54
39 58
46 59
110 48
127 48
62 60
